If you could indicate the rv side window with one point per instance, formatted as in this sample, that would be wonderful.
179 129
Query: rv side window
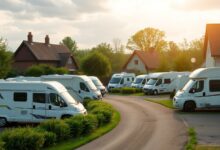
56 100
20 97
128 79
39 97
167 81
198 86
122 81
144 81
214 85
159 82
83 87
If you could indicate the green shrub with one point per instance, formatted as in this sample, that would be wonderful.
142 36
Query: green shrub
49 138
128 90
103 115
90 123
138 90
2 145
76 125
115 90
59 127
97 104
22 139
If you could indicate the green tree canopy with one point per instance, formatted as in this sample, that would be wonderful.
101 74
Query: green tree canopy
146 39
96 64
70 43
5 59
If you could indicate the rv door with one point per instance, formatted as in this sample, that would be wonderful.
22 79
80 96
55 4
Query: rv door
39 106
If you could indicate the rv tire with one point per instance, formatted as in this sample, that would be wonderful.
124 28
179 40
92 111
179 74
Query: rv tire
155 92
189 106
3 121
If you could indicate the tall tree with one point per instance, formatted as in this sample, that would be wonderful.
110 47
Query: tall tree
146 39
70 43
117 45
5 59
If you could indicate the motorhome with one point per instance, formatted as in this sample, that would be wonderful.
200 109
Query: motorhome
201 91
140 81
98 84
80 87
161 82
119 80
35 101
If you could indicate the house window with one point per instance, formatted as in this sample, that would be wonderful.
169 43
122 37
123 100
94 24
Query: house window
136 62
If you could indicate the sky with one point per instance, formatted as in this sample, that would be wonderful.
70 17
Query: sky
91 22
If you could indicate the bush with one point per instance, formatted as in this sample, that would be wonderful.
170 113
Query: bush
49 138
2 145
22 139
76 125
115 90
90 123
138 90
103 115
59 127
97 104
128 90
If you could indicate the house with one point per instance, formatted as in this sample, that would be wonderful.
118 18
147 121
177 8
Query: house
143 62
33 53
212 45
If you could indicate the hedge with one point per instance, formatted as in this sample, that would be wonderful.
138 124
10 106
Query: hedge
126 90
52 131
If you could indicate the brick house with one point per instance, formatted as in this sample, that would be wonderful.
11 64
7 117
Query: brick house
143 62
212 45
33 53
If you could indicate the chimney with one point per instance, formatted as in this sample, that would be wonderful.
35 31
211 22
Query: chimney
30 37
47 40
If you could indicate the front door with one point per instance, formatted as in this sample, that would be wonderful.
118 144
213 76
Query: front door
39 107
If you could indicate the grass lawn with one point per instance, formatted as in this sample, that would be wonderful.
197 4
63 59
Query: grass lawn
77 142
166 103
207 147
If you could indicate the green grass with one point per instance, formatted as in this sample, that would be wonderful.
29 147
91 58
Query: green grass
207 147
192 140
74 143
166 103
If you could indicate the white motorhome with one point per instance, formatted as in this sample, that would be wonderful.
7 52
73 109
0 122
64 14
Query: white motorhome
161 82
98 84
119 80
80 87
140 81
35 101
201 91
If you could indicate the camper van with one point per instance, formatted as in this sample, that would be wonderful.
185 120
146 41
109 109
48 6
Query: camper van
161 82
119 80
201 91
35 101
140 81
98 84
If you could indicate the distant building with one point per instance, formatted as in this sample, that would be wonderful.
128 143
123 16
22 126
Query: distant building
143 62
212 45
33 53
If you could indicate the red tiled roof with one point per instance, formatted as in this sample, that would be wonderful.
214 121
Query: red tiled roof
213 36
150 59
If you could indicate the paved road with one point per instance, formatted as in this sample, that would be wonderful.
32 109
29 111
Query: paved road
144 125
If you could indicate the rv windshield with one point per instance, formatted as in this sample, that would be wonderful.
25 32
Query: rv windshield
68 98
152 81
188 85
115 80
91 85
96 82
138 80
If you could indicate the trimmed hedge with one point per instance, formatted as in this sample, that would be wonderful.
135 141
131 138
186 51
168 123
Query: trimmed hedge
22 139
52 131
58 127
126 90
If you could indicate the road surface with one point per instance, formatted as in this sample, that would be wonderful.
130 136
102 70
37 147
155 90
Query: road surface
144 125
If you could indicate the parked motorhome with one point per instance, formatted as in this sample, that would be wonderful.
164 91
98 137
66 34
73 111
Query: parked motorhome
98 84
140 81
80 87
35 101
119 80
201 91
161 82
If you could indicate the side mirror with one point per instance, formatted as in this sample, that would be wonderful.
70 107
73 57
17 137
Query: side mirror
192 90
79 91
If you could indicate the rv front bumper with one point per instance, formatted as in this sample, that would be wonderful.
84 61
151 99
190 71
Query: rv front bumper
177 103
147 91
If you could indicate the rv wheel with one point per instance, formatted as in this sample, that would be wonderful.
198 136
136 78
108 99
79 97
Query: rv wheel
189 106
155 92
3 122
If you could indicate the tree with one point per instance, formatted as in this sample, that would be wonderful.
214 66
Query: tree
5 59
70 43
146 39
117 45
96 64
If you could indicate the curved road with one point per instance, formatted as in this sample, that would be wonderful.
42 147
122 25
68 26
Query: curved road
144 125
